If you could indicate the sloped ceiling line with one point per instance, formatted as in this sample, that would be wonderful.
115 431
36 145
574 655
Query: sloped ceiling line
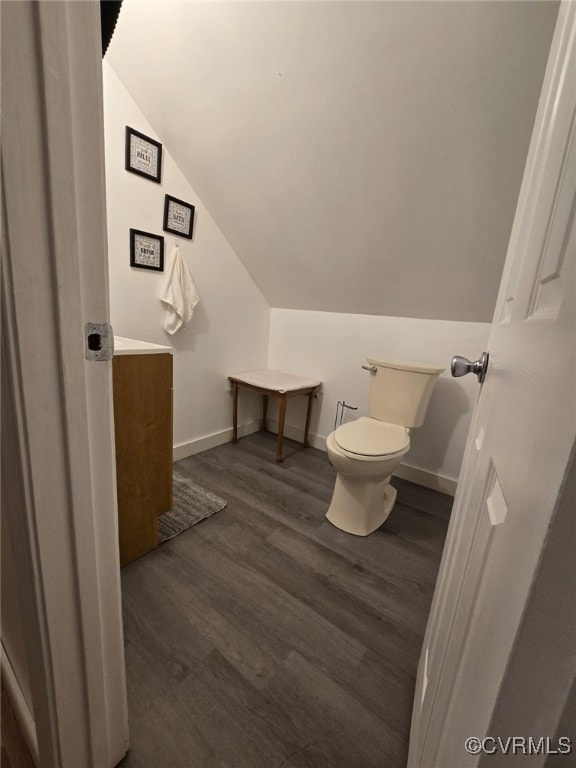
360 157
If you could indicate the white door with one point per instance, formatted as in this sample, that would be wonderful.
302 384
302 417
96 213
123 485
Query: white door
520 442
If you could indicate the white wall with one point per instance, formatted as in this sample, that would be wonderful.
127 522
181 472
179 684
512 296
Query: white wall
333 347
233 328
361 157
229 330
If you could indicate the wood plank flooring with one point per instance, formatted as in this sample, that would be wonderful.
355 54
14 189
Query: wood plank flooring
264 637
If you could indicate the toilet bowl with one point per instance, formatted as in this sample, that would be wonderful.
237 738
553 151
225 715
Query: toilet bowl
363 497
366 452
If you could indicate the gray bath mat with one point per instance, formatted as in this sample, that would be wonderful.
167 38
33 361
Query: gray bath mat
190 504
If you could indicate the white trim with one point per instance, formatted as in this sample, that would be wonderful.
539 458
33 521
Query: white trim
21 708
417 475
204 443
433 480
297 433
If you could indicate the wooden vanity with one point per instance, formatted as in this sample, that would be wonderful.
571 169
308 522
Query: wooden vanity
142 384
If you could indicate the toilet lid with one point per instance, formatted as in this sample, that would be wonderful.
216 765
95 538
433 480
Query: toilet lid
370 437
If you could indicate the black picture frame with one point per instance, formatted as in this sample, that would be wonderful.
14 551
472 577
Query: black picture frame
146 250
178 217
143 155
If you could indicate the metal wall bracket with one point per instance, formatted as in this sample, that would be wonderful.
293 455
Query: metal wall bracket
98 341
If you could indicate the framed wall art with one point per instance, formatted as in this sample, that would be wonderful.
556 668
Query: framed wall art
178 217
143 155
146 250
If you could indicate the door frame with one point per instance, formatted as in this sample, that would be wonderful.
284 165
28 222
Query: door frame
58 463
61 502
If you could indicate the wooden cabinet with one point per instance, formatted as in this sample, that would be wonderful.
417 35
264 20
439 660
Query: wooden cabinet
143 435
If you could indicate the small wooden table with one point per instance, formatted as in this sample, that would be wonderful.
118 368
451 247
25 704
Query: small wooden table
276 384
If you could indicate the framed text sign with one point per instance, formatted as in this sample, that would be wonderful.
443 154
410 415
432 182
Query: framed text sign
178 217
146 250
143 155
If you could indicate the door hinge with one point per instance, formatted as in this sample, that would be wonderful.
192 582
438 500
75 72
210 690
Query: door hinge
98 341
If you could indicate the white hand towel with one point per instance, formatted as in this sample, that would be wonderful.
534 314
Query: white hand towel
180 296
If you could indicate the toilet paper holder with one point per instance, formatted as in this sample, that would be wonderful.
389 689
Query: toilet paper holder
341 406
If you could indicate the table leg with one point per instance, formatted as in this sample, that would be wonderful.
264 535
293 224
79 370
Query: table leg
308 415
264 425
281 420
234 411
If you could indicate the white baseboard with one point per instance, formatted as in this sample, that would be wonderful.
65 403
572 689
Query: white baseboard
424 477
201 444
20 705
432 480
296 433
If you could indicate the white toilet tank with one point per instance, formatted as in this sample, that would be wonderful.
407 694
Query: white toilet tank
400 391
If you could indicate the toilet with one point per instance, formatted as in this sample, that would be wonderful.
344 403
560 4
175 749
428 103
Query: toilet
365 452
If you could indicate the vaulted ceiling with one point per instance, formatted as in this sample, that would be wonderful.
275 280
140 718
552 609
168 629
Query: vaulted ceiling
360 157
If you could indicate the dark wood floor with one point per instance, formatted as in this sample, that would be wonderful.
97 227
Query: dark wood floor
265 637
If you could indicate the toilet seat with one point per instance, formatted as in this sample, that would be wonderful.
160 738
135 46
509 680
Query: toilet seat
370 438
